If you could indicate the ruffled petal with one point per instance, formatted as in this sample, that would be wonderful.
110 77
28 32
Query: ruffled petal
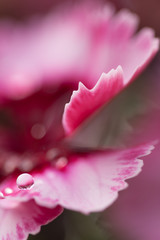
116 43
89 182
17 223
85 102
77 44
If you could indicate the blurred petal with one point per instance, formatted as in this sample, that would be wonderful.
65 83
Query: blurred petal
115 43
77 44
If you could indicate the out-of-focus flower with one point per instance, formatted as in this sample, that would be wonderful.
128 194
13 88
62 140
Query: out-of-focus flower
40 65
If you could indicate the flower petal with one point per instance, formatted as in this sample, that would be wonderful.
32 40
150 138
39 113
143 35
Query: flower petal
116 44
90 182
143 49
72 45
54 51
17 223
85 102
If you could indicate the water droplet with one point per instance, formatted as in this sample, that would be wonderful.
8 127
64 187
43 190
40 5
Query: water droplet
38 131
8 190
61 163
25 181
1 195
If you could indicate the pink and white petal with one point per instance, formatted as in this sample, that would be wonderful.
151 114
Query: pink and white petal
85 102
89 182
108 37
76 45
17 223
142 50
118 44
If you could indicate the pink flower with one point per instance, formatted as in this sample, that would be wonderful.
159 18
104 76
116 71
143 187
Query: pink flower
40 65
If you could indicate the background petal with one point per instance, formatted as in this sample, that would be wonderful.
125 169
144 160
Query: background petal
115 43
77 44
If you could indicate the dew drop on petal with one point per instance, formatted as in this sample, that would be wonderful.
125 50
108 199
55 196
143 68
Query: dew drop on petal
25 181
38 131
61 163
1 195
